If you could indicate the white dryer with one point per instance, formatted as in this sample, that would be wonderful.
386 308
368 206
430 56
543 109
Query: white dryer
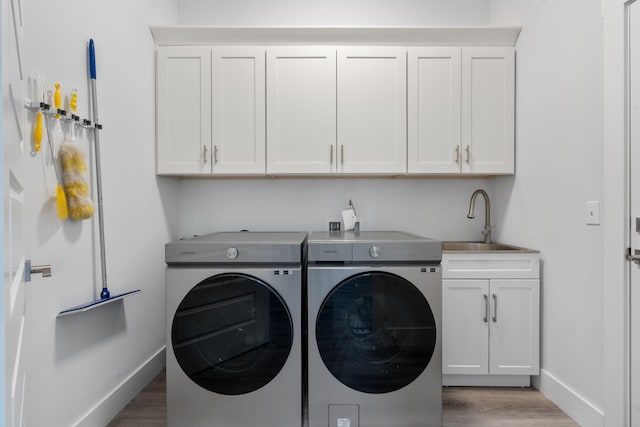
374 316
234 330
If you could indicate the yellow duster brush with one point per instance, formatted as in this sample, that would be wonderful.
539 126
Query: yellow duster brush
74 174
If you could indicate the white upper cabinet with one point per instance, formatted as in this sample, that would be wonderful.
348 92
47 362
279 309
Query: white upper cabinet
238 110
488 110
301 110
434 87
183 114
372 110
461 110
210 110
326 101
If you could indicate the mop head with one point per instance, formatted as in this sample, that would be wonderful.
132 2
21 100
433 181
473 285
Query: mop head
74 177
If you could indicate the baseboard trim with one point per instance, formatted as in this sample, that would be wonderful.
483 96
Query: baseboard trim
577 407
105 410
486 380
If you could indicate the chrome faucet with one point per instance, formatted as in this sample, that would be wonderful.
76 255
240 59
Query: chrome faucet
487 213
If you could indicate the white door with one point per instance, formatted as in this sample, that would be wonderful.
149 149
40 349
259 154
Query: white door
465 326
372 110
301 110
434 113
488 105
514 330
633 112
15 150
183 111
238 110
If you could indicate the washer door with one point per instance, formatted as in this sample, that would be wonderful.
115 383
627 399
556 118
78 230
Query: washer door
375 332
232 334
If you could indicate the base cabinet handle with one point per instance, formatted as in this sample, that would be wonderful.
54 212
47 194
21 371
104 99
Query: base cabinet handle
495 309
485 319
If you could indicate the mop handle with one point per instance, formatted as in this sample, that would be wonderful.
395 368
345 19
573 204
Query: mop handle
94 101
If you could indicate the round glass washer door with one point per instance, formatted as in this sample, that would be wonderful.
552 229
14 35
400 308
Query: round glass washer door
375 332
232 334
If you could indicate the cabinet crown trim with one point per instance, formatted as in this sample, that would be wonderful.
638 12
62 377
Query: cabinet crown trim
177 35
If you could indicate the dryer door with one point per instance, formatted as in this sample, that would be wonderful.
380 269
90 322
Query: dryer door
375 332
232 334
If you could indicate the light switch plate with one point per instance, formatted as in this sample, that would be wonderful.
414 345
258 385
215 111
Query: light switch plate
592 215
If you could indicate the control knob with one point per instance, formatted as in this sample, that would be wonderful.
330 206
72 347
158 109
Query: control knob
232 253
374 251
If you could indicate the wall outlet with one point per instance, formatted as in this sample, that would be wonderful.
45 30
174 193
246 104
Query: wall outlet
592 214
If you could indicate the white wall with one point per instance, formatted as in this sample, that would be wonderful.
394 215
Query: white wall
430 207
334 12
559 133
77 364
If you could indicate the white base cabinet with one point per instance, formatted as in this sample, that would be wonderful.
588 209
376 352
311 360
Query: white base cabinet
490 323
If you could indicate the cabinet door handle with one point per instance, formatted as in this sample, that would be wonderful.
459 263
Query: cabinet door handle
468 154
204 154
342 154
331 154
215 154
457 154
486 308
495 309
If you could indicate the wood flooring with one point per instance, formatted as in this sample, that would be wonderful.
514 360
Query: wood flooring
461 406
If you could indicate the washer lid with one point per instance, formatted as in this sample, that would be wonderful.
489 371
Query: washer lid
242 247
372 246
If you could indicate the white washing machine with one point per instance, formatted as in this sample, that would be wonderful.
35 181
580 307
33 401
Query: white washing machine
234 330
374 316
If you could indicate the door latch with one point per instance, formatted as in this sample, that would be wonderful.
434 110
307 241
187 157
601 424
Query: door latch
45 270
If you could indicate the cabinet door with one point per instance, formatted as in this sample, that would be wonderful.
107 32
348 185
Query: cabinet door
372 110
488 85
301 110
465 327
514 334
434 113
183 112
238 110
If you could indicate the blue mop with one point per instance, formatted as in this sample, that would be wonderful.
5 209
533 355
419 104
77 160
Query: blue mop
105 295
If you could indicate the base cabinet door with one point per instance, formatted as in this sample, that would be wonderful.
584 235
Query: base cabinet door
465 327
514 334
490 326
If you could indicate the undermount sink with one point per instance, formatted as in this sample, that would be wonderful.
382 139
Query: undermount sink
481 247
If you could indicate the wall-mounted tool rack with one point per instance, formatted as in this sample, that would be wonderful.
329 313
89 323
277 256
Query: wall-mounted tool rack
61 114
